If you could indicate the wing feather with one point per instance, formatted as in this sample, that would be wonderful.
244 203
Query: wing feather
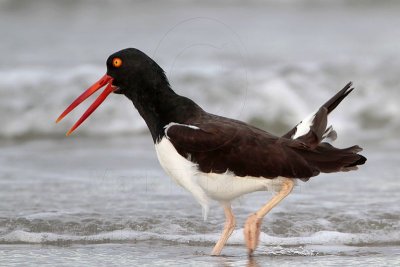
221 146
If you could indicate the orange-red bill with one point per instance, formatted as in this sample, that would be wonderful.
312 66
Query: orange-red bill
96 86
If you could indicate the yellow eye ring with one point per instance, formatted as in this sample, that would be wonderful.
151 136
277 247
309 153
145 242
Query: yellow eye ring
117 62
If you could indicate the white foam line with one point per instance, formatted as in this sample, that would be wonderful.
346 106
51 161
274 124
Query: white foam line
319 238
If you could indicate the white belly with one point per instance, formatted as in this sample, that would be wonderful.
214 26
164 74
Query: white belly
206 186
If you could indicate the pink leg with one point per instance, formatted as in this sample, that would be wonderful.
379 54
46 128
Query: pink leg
253 223
230 224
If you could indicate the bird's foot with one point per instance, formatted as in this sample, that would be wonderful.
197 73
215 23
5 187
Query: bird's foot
252 232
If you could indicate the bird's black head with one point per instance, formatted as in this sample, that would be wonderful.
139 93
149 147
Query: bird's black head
133 72
137 76
130 72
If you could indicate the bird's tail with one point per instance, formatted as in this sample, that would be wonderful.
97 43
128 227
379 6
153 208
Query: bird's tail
326 158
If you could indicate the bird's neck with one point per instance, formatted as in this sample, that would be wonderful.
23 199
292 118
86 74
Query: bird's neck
159 105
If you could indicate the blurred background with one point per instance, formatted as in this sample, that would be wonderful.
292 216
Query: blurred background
269 63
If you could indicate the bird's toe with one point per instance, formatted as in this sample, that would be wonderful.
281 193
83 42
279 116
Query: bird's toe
252 232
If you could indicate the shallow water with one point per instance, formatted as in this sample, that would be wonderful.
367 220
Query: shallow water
153 254
100 197
89 197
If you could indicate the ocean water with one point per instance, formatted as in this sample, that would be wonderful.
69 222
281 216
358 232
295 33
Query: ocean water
100 197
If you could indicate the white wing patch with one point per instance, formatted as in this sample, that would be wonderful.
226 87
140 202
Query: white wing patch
169 125
304 126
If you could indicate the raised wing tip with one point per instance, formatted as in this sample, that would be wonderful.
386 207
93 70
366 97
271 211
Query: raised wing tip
348 88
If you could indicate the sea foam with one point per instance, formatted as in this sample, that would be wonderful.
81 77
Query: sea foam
318 238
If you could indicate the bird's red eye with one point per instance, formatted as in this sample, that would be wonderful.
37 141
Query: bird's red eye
117 62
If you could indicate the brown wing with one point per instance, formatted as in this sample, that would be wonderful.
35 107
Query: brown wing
221 145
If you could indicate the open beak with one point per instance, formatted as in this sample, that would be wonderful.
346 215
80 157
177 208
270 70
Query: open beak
105 80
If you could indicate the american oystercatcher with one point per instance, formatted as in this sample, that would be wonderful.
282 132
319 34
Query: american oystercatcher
217 158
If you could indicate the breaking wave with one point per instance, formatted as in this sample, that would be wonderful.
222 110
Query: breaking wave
274 98
61 228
